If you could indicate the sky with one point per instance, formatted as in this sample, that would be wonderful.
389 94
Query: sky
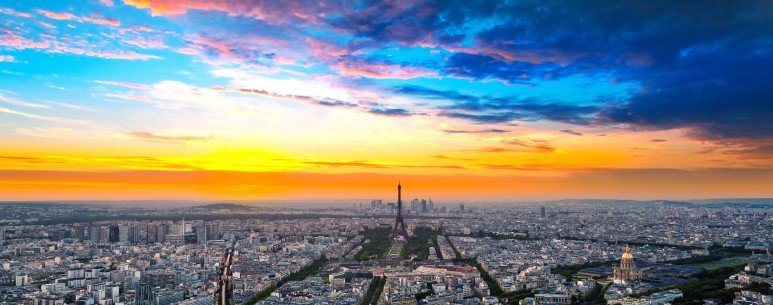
468 101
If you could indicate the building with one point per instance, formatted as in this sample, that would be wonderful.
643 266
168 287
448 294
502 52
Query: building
627 272
552 298
113 234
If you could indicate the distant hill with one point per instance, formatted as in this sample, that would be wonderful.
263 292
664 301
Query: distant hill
223 206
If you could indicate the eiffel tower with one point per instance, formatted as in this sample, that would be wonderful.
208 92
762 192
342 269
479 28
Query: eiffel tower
224 294
398 231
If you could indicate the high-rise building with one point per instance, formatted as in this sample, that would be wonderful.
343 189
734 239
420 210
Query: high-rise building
542 212
95 234
156 233
162 231
113 233
201 235
150 234
104 234
128 234
213 231
461 207
80 232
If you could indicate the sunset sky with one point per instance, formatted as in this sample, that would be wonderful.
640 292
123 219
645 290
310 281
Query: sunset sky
468 101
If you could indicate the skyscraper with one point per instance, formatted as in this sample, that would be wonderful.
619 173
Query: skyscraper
542 212
113 234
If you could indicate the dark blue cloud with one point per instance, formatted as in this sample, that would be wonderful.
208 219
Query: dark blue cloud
493 109
705 66
399 112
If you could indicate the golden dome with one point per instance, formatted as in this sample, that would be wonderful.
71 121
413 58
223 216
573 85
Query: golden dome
627 252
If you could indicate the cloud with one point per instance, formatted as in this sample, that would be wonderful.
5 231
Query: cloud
366 164
658 140
381 70
58 15
760 151
146 43
151 137
490 109
96 19
129 162
319 101
536 145
369 107
129 85
12 12
645 183
392 112
41 117
16 102
12 39
571 132
490 130
453 158
7 58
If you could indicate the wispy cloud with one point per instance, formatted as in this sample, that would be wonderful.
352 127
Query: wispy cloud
129 85
17 102
151 137
571 132
490 130
16 13
41 117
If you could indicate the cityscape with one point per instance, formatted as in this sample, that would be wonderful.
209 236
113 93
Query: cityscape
386 152
566 252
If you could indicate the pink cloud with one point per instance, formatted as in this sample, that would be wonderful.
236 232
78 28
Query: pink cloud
102 21
107 54
188 51
379 70
136 29
46 25
58 16
13 40
107 2
95 19
235 48
146 43
277 12
6 58
11 12
324 50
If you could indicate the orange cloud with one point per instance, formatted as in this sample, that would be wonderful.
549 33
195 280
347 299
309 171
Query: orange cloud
223 185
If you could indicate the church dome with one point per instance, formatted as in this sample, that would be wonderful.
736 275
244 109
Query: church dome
627 253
